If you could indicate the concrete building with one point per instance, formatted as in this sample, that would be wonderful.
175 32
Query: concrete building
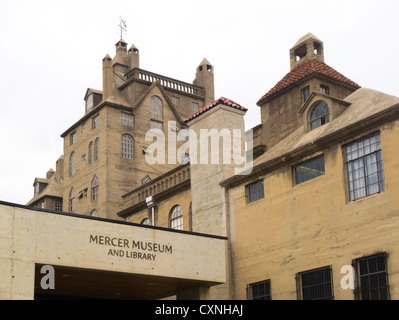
314 216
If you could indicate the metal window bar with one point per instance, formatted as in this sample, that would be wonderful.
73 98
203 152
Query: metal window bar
259 291
315 285
373 278
364 166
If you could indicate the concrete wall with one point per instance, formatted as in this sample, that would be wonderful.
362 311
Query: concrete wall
29 236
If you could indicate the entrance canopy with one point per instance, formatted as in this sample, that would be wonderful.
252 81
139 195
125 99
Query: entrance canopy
89 257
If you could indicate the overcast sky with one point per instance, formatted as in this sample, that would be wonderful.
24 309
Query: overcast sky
51 52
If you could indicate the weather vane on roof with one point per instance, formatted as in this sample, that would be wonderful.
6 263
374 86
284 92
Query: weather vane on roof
123 26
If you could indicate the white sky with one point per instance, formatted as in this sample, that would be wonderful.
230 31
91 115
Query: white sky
51 52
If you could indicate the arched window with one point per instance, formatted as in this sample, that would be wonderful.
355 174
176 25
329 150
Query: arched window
319 115
94 213
91 152
176 218
94 188
156 108
72 200
146 222
97 149
72 164
127 146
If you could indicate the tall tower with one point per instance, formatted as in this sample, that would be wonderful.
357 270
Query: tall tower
204 77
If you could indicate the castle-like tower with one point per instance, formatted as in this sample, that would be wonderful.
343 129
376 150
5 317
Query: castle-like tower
104 151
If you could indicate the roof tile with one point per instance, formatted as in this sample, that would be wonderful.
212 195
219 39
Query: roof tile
215 103
302 71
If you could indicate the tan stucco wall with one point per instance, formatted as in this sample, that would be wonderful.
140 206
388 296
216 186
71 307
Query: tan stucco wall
28 237
297 228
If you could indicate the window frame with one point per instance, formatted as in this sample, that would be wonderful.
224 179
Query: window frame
96 121
256 195
324 119
305 94
95 187
300 287
127 147
72 164
351 168
268 290
156 114
179 218
295 173
359 293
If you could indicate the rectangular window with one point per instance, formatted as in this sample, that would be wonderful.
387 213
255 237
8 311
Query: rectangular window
324 89
58 205
255 191
156 125
315 284
364 167
372 278
96 121
259 291
175 100
309 170
127 119
195 106
73 138
305 94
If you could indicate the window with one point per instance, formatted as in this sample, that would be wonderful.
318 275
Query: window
127 147
309 170
96 121
176 218
84 158
324 89
364 167
146 222
156 125
89 102
156 108
94 188
72 164
305 94
91 152
58 205
319 115
72 200
83 127
259 291
315 284
72 138
372 278
255 191
96 149
94 213
175 100
195 106
145 180
127 119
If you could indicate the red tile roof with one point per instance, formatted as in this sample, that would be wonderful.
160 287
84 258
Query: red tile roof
304 70
215 103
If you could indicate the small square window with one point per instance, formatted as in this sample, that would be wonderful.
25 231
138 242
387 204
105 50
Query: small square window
175 100
324 89
127 119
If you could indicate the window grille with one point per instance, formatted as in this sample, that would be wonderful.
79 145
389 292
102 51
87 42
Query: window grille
315 284
309 170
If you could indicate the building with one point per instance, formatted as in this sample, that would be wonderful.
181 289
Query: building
314 216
